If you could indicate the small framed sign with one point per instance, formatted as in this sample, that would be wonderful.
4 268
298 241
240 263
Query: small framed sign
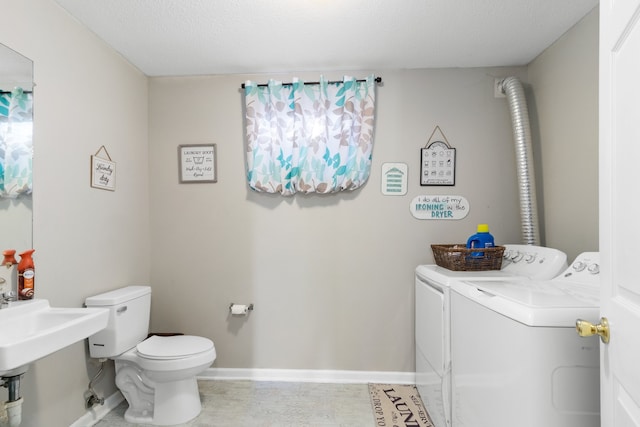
394 179
103 171
437 161
197 163
438 165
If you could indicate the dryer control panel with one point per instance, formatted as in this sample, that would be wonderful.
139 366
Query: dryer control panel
584 270
535 262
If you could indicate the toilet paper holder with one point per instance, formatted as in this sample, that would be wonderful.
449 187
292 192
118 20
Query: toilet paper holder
248 307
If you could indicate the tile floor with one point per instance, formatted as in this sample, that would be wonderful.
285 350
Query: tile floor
270 404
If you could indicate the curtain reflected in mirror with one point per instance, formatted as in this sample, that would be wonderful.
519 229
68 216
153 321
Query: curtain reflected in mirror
16 150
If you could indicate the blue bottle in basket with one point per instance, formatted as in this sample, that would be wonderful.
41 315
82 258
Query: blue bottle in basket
482 239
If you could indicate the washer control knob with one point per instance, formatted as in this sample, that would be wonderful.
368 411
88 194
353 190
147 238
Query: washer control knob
517 257
579 266
593 269
530 258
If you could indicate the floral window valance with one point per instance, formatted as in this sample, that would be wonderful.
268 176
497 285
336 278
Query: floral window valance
314 137
16 143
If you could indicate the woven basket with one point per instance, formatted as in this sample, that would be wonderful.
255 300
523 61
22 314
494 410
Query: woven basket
459 258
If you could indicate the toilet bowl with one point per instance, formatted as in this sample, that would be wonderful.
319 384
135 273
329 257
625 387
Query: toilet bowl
156 375
158 378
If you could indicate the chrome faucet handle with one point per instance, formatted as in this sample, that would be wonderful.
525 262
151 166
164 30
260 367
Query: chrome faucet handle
6 298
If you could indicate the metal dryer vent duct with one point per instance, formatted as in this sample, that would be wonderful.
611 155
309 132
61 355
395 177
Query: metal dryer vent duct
512 88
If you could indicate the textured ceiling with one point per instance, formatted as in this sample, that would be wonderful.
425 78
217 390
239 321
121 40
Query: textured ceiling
200 37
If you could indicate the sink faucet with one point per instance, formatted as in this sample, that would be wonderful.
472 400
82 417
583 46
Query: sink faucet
6 297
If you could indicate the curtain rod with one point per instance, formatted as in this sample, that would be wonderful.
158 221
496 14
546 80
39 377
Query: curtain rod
377 80
4 92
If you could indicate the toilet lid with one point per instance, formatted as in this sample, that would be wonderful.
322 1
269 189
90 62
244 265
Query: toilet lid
173 347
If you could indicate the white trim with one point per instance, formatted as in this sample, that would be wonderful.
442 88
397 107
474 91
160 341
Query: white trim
98 412
309 375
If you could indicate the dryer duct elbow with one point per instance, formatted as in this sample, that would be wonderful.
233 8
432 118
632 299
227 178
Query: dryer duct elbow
514 92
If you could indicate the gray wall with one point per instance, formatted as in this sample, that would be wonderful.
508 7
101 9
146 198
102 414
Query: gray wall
331 277
564 109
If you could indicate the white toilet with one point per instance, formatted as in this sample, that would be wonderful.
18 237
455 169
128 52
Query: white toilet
157 375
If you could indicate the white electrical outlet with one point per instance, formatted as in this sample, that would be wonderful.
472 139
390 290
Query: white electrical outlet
497 90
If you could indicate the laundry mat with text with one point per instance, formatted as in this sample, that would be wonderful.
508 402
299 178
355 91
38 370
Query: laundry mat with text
398 405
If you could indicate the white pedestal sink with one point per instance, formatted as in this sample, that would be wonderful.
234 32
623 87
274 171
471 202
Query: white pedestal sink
32 329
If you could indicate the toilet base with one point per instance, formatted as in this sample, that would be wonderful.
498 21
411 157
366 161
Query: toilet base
157 403
176 402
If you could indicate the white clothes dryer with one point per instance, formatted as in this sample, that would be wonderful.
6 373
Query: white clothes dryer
432 308
517 359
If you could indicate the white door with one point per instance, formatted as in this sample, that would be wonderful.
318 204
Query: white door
620 210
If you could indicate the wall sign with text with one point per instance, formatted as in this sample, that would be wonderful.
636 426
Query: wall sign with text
438 165
437 161
197 163
103 171
439 207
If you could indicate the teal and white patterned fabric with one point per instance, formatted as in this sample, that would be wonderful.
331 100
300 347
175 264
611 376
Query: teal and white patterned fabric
16 143
309 137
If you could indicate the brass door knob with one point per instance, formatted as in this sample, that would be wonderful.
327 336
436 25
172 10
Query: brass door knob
587 329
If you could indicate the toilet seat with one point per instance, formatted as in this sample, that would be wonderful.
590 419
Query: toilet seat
176 363
173 347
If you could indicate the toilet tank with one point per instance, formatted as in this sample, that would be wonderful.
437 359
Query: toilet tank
128 325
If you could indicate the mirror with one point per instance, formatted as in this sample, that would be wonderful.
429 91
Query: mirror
16 150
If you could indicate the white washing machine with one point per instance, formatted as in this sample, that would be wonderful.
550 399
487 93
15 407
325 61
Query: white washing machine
516 357
432 308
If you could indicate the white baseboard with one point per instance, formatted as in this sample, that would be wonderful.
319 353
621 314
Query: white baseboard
98 412
309 375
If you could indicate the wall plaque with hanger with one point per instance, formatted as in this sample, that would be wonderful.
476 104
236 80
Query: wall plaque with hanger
103 171
437 161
